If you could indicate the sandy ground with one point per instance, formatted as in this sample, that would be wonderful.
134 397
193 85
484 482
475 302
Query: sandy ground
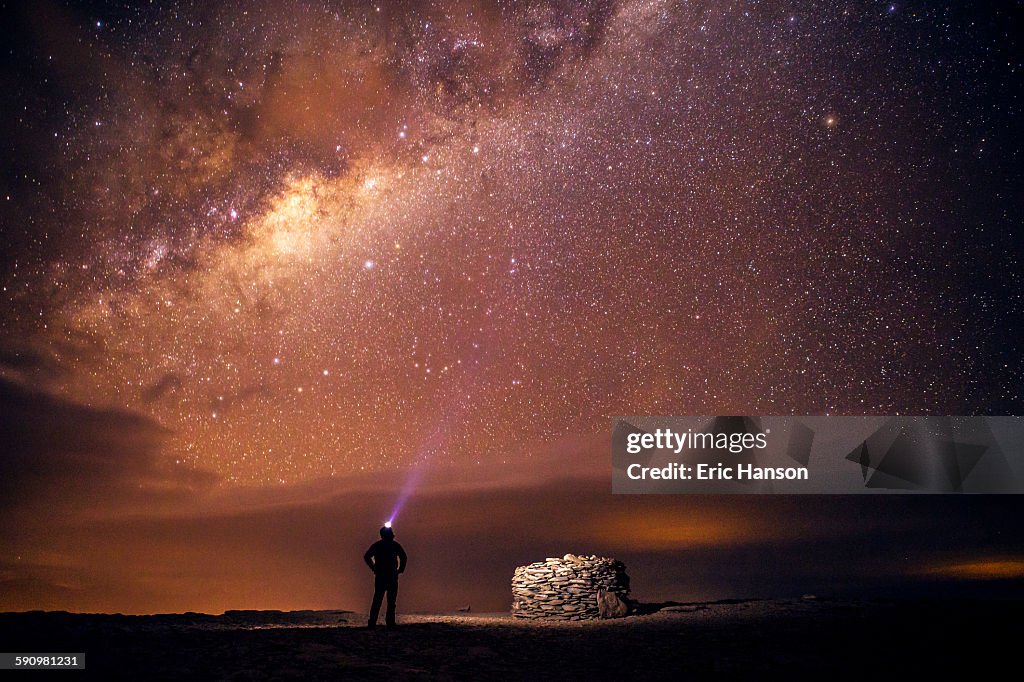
752 639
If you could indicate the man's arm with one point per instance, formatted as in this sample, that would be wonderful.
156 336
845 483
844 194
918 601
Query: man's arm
368 558
401 559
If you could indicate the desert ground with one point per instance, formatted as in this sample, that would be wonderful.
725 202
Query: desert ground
731 639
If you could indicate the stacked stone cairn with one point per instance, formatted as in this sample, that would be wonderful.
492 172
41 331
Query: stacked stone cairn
571 588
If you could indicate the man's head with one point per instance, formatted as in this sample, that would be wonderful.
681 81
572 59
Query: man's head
386 533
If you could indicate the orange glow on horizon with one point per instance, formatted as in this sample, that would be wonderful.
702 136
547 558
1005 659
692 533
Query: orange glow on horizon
989 569
667 529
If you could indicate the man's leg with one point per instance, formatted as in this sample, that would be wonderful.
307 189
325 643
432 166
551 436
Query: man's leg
389 617
379 587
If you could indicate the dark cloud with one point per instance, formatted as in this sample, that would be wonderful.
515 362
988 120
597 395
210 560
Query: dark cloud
300 546
31 364
167 384
55 451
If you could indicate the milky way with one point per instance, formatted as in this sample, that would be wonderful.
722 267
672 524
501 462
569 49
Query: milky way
316 238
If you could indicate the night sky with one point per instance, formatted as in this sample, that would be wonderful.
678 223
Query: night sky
262 263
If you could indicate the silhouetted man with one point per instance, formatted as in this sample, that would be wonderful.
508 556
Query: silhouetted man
386 559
